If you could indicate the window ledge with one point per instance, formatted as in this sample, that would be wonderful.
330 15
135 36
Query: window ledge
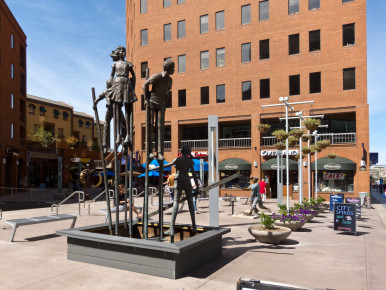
316 93
294 54
263 20
349 45
293 14
244 24
204 69
264 59
222 29
314 9
246 62
220 66
315 51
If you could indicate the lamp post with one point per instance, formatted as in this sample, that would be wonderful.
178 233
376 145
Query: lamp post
284 102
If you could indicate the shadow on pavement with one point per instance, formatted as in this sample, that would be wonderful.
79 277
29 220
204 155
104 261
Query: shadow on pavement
39 238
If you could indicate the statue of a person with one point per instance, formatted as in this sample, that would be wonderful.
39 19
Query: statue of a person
182 182
157 99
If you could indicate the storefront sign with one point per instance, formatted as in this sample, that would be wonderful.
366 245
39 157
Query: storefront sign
231 166
333 176
274 166
332 166
274 152
197 154
78 159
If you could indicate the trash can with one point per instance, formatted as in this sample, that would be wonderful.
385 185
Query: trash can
362 196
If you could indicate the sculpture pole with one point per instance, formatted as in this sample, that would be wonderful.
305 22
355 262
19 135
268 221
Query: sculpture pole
131 171
116 167
103 162
125 221
147 152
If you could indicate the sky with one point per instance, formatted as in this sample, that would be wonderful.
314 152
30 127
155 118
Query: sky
69 42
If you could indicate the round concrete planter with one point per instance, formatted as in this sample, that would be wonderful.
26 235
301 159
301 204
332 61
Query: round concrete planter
269 236
293 226
308 217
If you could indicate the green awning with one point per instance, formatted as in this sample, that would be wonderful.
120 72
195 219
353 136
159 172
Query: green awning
42 109
338 163
271 164
234 164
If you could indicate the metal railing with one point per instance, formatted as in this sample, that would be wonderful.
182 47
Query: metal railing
194 144
80 199
335 138
22 194
88 202
223 143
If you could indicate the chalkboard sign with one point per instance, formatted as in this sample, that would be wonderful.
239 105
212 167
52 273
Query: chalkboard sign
344 217
334 198
357 202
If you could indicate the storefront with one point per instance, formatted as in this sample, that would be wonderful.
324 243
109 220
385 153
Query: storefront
231 166
335 175
269 173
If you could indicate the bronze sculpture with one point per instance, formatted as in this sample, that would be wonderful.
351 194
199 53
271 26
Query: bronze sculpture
156 100
182 182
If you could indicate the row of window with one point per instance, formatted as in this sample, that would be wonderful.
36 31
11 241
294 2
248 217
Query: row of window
349 83
348 37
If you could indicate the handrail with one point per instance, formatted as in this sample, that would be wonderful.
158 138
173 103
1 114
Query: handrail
1 214
67 198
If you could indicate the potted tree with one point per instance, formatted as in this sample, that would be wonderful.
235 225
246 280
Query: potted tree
332 155
292 140
280 145
291 220
264 128
297 133
280 135
267 232
311 124
306 150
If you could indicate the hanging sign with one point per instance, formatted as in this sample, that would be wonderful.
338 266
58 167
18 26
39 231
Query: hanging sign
274 152
333 176
332 166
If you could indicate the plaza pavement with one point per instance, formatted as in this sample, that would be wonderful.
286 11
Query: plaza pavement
312 257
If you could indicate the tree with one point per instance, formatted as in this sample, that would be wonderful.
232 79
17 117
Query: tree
42 137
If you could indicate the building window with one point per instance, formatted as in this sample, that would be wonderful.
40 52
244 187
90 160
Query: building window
167 58
349 78
12 131
143 6
263 10
60 133
65 116
314 40
294 85
182 63
293 44
349 34
144 37
246 52
204 95
56 114
84 139
246 91
264 49
12 105
181 98
88 124
12 41
169 103
315 83
43 111
31 109
220 94
313 4
204 59
143 108
181 29
12 71
293 7
345 1
265 89
220 20
167 32
246 14
80 123
167 3
144 66
220 57
204 24
180 1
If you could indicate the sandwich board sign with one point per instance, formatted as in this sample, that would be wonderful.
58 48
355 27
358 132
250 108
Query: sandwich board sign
345 217
357 202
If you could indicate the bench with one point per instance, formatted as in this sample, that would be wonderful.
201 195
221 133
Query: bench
113 210
38 220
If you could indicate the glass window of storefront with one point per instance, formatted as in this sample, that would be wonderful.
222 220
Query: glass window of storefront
238 183
336 181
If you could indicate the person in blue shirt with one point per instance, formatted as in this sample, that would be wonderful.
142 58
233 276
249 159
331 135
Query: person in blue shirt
255 197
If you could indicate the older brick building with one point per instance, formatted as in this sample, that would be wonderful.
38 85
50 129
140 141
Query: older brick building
13 72
232 57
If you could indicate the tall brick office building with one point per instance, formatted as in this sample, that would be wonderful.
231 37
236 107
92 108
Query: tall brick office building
232 57
13 168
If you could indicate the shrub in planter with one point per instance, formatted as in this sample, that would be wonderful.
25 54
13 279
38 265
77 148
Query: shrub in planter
332 155
264 128
292 141
297 132
280 135
297 156
280 145
315 148
311 124
292 221
323 143
306 150
305 138
267 232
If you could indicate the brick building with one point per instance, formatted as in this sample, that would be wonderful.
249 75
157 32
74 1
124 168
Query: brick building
232 57
13 73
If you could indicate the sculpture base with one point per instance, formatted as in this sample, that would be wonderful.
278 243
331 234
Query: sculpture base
167 258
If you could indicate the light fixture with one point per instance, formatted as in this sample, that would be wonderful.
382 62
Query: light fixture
17 162
363 163
305 163
4 161
255 163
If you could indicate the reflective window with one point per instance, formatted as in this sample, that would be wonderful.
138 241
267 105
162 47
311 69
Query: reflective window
167 3
180 1
313 4
246 14
144 66
143 6
294 85
167 32
344 1
181 98
144 37
220 94
181 29
246 91
204 95
220 20
182 63
265 89
220 57
349 78
264 49
12 105
315 83
263 10
293 7
204 24
349 34
204 59
293 44
314 40
246 52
